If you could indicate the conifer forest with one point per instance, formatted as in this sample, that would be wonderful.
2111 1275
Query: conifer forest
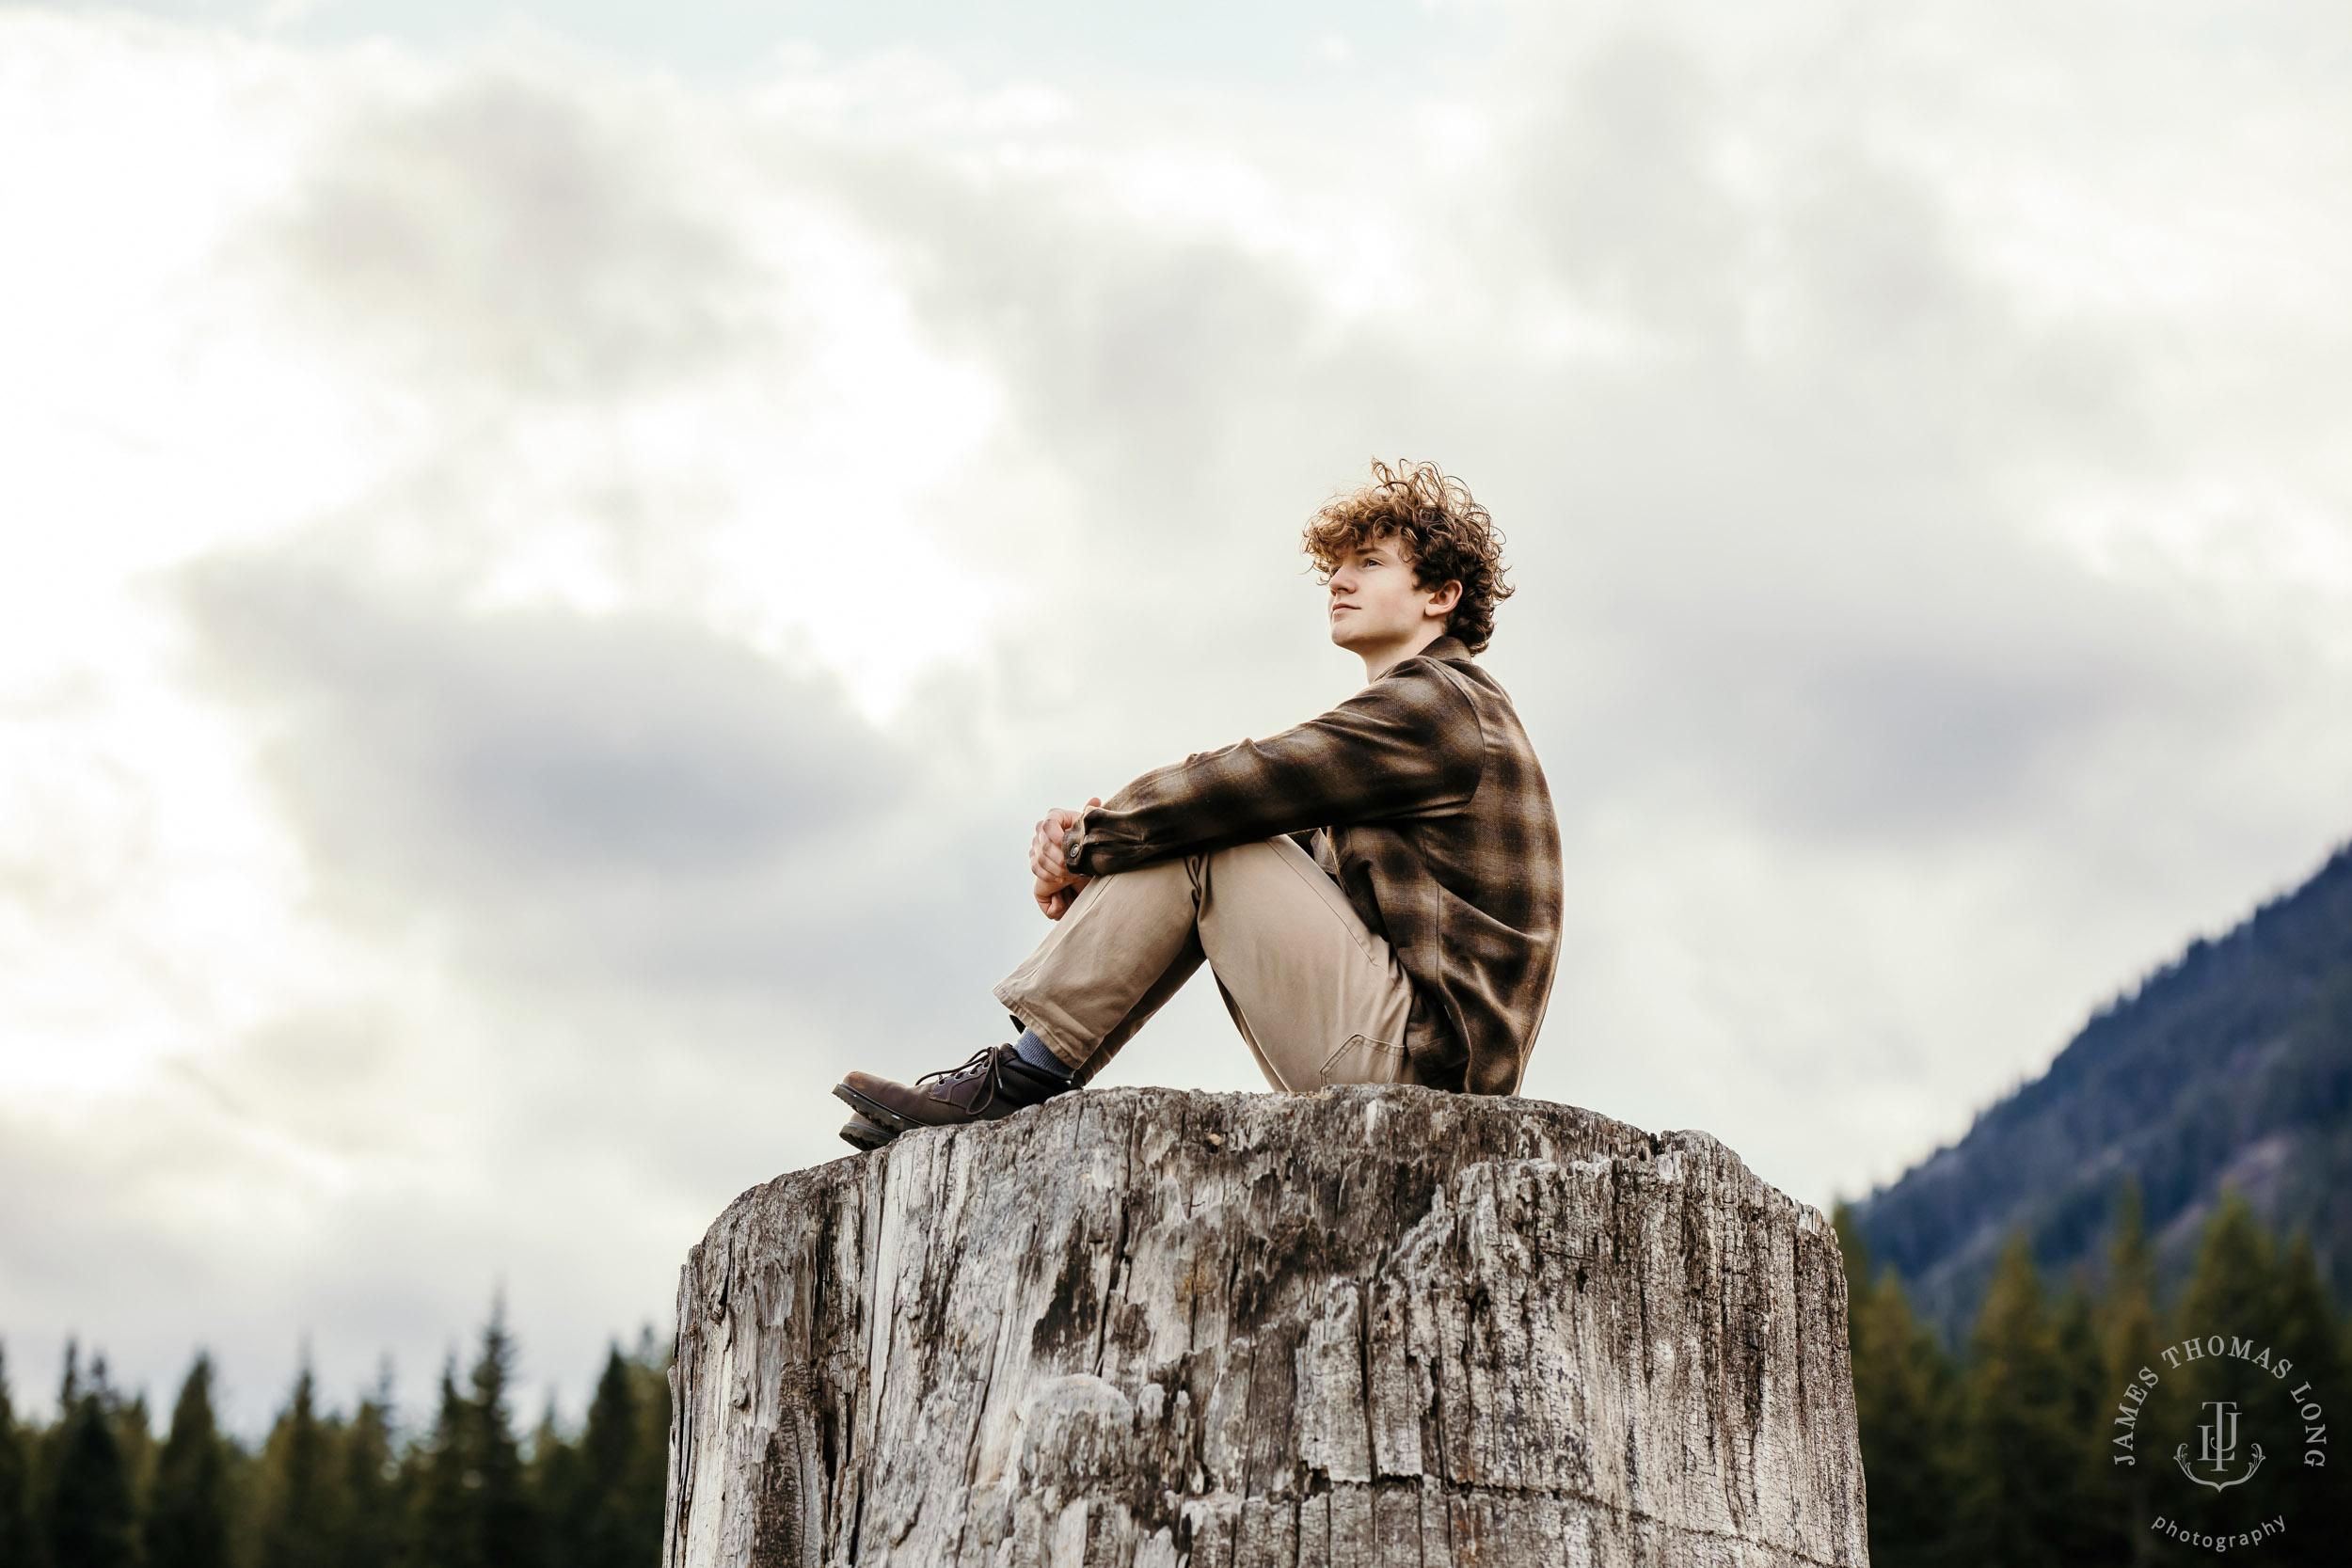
112 1482
2004 1450
1999 1450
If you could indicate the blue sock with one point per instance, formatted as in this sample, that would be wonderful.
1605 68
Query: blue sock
1037 1053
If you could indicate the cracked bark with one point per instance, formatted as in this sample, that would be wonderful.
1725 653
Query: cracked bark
1147 1328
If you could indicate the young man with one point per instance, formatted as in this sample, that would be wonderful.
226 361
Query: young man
1378 892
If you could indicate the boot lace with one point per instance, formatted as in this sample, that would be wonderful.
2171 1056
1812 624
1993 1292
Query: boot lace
982 1061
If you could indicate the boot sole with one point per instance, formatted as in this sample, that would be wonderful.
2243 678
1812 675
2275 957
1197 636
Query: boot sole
881 1115
864 1135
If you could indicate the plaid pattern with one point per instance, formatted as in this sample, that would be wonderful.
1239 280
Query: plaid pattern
1427 802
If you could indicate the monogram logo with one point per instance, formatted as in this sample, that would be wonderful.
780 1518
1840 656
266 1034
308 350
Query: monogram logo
2226 1455
2216 1448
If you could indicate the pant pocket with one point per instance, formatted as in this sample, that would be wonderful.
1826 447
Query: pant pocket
1364 1061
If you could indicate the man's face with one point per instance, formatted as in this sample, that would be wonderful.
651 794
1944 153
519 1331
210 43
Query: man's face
1374 601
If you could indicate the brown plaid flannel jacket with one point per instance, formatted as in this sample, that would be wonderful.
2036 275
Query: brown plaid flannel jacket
1428 805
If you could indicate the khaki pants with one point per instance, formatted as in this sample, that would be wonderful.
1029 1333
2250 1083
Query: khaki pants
1318 997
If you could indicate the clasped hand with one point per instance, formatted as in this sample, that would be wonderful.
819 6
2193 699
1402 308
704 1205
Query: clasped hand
1057 886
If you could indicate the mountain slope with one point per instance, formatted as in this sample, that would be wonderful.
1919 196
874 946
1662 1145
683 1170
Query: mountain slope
2230 1066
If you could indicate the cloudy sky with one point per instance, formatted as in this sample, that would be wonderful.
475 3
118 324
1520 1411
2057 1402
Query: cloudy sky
550 554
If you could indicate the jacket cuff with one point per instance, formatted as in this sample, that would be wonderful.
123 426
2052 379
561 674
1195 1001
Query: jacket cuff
1074 845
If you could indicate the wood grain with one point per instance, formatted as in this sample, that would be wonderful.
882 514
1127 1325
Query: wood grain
1369 1325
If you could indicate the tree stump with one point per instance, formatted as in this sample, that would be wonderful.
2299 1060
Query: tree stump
1368 1325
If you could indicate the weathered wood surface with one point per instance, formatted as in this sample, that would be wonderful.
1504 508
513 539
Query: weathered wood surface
1370 1325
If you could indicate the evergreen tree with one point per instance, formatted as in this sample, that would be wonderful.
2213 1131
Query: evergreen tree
649 1369
2308 1335
2115 1495
1902 1390
90 1515
2233 1293
508 1524
135 1439
47 1452
367 1531
2235 1281
608 1450
445 1534
624 1463
187 1510
1904 1401
474 1507
296 1489
559 1483
2088 1536
2021 1455
16 1480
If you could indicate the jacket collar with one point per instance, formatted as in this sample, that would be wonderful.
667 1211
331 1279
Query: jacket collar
1449 648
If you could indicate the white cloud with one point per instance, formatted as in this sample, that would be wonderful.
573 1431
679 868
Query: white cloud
539 601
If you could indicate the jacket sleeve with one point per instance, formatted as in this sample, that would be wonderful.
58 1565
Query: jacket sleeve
1407 745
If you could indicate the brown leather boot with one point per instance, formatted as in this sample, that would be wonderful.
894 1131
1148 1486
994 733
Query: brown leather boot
994 1083
860 1133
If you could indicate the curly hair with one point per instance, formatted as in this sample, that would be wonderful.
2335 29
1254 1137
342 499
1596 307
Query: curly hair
1449 536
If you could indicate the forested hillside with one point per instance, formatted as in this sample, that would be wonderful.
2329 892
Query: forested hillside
2005 1450
106 1484
2229 1068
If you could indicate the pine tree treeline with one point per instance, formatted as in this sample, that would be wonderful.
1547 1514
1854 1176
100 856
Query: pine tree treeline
94 1488
2003 1455
2000 1456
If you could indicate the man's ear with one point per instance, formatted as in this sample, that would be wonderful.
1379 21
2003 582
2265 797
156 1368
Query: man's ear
1443 600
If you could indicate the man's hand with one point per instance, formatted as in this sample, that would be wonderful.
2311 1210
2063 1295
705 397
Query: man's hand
1058 887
